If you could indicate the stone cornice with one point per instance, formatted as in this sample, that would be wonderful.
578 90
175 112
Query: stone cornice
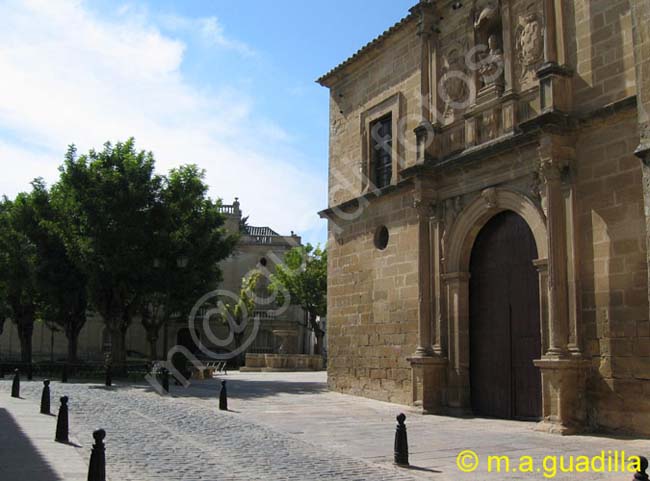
354 202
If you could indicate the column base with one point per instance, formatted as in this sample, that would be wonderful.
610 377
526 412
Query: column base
563 395
429 380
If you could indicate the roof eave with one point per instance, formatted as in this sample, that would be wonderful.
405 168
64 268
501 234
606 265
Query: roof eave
328 79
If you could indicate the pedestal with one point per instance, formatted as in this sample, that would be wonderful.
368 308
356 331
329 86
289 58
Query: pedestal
429 380
563 395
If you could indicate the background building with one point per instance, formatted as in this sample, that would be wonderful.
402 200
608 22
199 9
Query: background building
487 232
258 248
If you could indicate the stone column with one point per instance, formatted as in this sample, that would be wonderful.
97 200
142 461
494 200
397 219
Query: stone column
573 269
552 166
435 231
542 272
563 376
423 209
429 371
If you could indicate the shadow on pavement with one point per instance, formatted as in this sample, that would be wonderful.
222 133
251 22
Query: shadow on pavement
19 458
248 388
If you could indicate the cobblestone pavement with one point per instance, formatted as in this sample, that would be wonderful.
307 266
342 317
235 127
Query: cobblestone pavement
289 426
150 437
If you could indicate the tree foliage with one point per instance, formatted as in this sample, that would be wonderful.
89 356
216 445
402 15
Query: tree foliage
303 279
18 263
242 310
109 198
60 282
188 241
110 234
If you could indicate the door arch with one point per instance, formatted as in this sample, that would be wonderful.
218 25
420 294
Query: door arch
504 320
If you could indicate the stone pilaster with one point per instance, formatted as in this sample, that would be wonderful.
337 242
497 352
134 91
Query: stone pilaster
427 34
457 300
562 367
641 41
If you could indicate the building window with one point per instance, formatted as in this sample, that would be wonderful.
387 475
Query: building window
381 238
381 140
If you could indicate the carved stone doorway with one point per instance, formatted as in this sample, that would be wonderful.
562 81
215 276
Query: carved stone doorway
505 333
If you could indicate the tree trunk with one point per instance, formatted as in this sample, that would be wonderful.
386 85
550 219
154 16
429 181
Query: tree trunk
25 331
318 347
118 353
73 343
153 345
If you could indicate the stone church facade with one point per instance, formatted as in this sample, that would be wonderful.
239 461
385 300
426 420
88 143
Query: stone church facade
488 213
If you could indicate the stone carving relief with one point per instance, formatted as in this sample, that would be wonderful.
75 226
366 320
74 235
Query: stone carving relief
529 46
490 125
489 38
490 197
454 84
450 209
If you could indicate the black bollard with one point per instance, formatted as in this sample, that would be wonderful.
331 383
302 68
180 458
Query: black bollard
2 371
62 422
97 467
223 397
64 373
30 372
45 397
15 384
642 475
165 380
401 442
109 376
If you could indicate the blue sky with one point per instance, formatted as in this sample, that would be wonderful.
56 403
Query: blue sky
226 84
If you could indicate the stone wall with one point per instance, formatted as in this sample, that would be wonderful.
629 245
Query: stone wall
372 303
575 175
601 53
392 71
614 274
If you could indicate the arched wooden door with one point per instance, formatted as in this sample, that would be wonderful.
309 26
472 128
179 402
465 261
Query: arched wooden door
505 334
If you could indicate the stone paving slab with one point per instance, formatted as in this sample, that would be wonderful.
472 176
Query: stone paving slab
28 451
289 426
300 404
150 437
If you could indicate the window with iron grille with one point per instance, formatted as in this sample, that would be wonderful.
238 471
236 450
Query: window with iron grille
381 139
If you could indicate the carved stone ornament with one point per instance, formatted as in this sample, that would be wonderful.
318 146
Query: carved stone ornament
490 198
453 87
453 206
487 20
421 206
490 124
488 35
529 46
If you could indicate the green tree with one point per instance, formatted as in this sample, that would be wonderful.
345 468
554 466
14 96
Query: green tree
189 241
242 310
109 199
61 283
18 270
303 279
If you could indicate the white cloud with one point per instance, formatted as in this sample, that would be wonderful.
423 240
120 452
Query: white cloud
69 76
208 29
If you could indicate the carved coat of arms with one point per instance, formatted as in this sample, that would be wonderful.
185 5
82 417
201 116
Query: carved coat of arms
530 47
